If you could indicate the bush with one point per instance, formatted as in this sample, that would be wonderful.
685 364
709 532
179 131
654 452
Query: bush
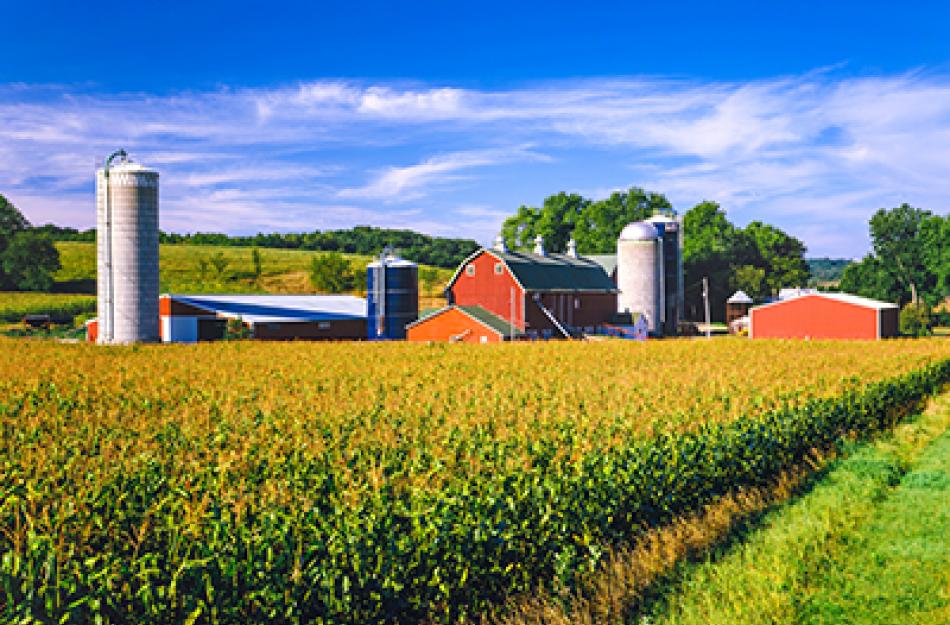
331 273
915 320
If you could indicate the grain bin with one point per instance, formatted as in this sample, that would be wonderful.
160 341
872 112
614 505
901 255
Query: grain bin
670 231
392 294
639 259
127 251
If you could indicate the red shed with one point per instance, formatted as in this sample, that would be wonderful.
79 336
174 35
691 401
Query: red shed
543 294
824 316
461 324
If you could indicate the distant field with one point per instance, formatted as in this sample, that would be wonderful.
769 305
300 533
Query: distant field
390 483
61 308
283 271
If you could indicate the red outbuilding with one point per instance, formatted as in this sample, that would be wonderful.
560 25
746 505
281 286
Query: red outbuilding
542 295
824 316
462 324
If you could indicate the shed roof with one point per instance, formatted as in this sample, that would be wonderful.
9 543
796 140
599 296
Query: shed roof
739 297
279 308
551 272
846 298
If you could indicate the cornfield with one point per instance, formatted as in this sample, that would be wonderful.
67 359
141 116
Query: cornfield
377 483
61 308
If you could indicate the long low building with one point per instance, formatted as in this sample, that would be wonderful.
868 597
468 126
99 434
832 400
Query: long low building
192 318
824 316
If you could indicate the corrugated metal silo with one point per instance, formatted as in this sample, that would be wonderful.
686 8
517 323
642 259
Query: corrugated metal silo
127 250
638 273
392 296
670 231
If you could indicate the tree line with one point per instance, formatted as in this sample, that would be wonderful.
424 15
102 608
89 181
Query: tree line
366 240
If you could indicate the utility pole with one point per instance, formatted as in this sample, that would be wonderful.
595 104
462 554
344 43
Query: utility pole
706 304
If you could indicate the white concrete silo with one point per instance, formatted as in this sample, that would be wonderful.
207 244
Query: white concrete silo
127 251
639 266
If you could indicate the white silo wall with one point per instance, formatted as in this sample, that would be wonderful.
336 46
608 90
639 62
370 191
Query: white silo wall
638 279
130 314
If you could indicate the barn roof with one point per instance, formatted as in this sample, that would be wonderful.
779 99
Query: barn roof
479 314
279 308
552 272
846 298
607 261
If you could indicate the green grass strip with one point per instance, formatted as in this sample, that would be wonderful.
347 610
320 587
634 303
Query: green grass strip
870 543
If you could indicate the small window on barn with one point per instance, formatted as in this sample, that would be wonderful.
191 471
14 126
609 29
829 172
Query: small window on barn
577 303
499 268
324 325
470 270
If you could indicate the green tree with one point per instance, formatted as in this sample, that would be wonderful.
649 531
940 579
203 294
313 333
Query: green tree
710 242
750 279
780 255
30 261
256 263
600 222
331 273
897 244
220 264
915 319
27 259
910 260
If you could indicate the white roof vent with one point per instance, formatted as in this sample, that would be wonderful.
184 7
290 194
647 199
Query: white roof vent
572 248
539 245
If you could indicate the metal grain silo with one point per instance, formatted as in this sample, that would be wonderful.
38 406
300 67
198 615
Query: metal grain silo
392 296
670 231
638 273
127 250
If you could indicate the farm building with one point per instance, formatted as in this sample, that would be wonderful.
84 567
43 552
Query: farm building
192 318
543 295
462 324
824 316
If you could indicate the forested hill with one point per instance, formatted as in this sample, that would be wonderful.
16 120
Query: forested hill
824 270
366 240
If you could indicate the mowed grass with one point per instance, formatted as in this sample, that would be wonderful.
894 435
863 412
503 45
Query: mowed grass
869 544
181 270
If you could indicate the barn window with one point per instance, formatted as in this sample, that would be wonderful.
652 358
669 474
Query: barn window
577 303
470 270
499 268
324 325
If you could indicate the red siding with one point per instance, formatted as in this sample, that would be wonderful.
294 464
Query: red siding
452 322
490 290
815 317
92 331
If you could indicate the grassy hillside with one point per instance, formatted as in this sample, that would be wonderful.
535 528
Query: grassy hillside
869 544
189 269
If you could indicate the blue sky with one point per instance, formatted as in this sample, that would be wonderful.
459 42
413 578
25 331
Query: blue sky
444 118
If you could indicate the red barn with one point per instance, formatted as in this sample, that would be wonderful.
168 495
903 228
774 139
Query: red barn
824 316
541 294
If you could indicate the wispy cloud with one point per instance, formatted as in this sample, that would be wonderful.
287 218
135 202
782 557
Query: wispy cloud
816 154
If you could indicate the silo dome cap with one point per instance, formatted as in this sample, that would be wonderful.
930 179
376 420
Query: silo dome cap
639 231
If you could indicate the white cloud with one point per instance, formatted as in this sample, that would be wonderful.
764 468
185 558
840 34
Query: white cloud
815 153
